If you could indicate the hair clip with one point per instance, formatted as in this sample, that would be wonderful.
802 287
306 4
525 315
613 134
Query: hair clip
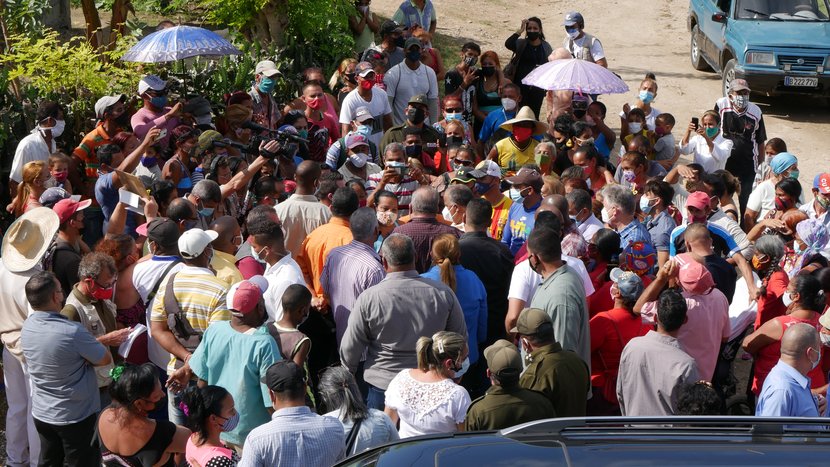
116 372
184 408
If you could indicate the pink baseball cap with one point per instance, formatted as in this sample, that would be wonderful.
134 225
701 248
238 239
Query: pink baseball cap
244 296
698 199
693 276
66 208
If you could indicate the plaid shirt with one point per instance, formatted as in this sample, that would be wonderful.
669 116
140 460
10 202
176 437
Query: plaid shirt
295 437
573 244
634 232
422 231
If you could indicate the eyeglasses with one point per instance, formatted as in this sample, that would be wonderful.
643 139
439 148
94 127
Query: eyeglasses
463 162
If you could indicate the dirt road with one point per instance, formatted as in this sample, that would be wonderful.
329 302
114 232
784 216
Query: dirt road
638 37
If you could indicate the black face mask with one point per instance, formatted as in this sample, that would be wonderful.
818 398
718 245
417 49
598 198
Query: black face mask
416 116
414 55
400 42
414 151
579 113
454 141
350 77
488 70
533 35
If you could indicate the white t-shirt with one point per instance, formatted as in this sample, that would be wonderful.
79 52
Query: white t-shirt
280 275
524 282
402 83
378 107
426 408
596 47
762 198
709 160
145 276
31 148
589 227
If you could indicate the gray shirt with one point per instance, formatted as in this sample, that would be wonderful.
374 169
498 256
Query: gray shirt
59 354
562 297
388 319
652 368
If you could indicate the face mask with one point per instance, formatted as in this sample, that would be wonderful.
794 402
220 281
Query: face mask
470 61
787 299
488 71
453 116
256 256
574 220
60 177
628 176
413 151
645 205
587 171
315 103
741 101
646 96
413 55
101 294
756 264
659 131
358 160
465 365
230 423
266 85
780 204
573 33
386 217
588 142
415 115
522 134
712 132
206 212
579 113
825 339
454 141
799 250
635 127
515 195
481 188
606 217
158 101
350 78
508 104
823 202
400 41
815 363
533 35
366 84
364 130
794 174
57 130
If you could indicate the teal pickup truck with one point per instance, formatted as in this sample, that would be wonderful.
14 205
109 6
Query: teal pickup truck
778 46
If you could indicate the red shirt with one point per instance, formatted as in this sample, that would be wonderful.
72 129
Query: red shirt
607 328
770 305
601 299
768 356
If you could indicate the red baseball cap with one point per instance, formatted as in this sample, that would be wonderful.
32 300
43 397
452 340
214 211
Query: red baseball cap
698 199
66 208
244 296
824 183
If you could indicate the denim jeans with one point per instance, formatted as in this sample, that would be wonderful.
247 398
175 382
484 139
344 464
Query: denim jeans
376 399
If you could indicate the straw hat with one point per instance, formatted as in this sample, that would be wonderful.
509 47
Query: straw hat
526 115
28 238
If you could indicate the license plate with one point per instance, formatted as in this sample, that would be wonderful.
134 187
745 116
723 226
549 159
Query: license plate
798 81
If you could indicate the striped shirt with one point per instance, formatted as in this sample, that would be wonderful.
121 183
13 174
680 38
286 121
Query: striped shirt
402 190
722 241
295 437
349 270
200 295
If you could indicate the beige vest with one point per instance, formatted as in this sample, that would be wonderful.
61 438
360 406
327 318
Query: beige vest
89 318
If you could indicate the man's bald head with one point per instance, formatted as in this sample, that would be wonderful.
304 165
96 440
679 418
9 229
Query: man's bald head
697 236
307 173
550 204
797 339
425 202
227 228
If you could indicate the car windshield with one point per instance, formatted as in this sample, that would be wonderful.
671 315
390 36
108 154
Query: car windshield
783 10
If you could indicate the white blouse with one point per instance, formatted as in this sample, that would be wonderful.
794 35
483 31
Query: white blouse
426 408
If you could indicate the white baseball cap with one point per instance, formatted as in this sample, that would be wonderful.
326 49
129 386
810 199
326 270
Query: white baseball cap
193 242
107 101
489 168
151 82
267 68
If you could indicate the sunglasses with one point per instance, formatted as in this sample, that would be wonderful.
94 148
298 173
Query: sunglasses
454 109
464 163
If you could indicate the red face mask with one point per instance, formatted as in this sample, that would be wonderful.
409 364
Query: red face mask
522 134
99 293
366 84
315 103
781 204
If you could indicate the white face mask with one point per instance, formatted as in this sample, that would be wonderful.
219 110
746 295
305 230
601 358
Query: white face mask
359 159
606 217
387 217
255 255
787 299
825 339
56 130
508 104
635 127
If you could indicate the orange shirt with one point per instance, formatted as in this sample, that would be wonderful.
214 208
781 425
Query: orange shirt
316 248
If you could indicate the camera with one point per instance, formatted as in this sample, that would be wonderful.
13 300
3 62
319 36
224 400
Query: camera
400 167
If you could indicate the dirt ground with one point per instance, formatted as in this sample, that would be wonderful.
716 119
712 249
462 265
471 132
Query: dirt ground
638 37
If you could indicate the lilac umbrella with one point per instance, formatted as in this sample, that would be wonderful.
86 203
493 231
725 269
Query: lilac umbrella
575 75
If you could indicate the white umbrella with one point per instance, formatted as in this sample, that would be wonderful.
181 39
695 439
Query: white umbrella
575 75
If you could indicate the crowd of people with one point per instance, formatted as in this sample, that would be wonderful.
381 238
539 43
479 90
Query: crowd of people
262 283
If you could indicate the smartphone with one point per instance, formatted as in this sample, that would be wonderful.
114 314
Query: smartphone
695 122
162 134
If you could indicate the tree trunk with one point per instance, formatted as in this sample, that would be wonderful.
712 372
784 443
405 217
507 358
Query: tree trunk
120 10
93 22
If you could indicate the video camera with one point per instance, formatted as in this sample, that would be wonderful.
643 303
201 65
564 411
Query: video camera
288 142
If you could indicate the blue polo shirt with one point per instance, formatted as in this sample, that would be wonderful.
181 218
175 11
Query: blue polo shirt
520 222
59 354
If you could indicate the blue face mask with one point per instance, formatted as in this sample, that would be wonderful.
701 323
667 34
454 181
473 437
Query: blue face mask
465 365
644 205
302 134
158 101
149 161
364 130
646 96
266 85
481 188
206 212
230 423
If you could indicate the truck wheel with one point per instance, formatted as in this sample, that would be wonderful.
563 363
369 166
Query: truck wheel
728 75
698 63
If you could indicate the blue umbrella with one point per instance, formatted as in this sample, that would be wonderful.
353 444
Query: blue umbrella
178 43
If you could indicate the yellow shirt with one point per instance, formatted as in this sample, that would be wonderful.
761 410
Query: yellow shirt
225 267
500 212
511 157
